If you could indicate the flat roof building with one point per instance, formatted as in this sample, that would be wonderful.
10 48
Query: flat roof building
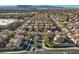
7 21
9 24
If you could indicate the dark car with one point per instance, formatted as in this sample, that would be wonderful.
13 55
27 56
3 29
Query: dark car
31 42
29 47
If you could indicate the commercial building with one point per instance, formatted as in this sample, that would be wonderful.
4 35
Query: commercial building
8 24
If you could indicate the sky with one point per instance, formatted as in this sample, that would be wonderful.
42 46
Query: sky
39 2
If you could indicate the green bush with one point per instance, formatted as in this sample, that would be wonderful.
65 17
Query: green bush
48 41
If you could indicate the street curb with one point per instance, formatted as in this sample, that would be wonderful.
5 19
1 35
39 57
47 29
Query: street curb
46 48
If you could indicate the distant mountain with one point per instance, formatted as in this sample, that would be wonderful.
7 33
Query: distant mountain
35 7
7 7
